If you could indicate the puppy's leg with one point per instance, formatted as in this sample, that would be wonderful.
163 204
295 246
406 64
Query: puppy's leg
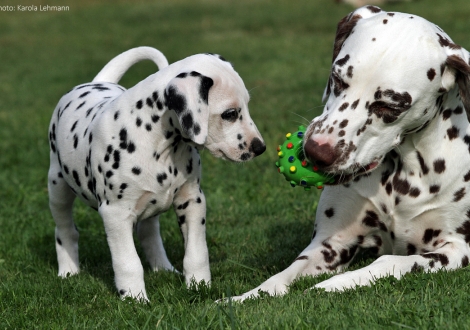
190 207
450 256
148 231
128 271
61 199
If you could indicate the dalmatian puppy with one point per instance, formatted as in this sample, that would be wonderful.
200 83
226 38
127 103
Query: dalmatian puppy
395 135
132 154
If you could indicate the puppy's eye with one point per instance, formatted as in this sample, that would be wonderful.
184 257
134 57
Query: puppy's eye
230 115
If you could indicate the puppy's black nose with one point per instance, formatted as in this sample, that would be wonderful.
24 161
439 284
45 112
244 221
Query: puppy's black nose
257 146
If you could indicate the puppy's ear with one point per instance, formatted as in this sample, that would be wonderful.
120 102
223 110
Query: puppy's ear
457 71
188 95
343 30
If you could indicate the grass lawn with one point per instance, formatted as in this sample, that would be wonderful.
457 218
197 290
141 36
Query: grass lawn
256 223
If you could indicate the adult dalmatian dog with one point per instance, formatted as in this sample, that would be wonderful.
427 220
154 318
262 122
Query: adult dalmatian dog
131 154
395 135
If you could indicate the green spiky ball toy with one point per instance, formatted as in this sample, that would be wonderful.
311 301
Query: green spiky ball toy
293 165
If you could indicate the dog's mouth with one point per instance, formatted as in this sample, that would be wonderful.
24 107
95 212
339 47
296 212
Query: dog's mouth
358 170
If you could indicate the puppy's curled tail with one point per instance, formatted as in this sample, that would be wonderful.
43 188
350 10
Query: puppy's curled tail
115 69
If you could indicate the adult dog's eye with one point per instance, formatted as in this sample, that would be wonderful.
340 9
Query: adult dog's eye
230 115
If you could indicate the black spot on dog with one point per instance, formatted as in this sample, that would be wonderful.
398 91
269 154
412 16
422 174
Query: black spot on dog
187 122
155 118
330 212
76 178
417 268
464 229
130 147
183 206
465 261
411 249
175 101
206 84
372 220
343 61
136 170
466 177
434 189
161 177
442 258
429 234
459 194
439 165
189 166
139 104
81 105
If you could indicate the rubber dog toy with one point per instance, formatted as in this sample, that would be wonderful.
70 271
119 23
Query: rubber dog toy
293 165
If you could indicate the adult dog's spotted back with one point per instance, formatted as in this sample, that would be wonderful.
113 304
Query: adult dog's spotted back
132 154
394 134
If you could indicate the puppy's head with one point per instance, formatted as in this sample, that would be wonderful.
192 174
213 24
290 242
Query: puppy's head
389 75
211 103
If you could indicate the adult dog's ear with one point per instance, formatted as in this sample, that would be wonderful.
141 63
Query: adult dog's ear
188 95
343 30
457 71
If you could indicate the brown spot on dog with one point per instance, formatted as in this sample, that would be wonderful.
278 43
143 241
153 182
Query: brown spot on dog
453 133
431 74
444 42
343 106
354 104
343 124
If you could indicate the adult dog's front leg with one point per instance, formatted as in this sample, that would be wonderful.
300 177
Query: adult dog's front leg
450 256
128 270
190 207
319 257
337 238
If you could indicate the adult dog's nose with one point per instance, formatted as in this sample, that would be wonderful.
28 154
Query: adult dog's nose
257 146
322 155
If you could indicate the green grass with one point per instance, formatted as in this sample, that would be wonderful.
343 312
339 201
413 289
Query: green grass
256 223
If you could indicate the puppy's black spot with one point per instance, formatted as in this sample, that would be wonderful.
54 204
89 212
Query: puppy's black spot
175 101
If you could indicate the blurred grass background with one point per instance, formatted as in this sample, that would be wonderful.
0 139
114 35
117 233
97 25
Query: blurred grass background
256 223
